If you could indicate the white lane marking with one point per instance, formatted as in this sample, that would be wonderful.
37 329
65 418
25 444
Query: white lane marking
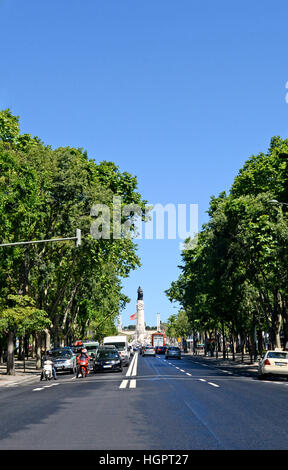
202 380
131 366
37 389
124 383
214 385
132 383
187 373
134 372
181 370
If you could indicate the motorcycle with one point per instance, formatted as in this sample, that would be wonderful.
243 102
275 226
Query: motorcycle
47 370
83 369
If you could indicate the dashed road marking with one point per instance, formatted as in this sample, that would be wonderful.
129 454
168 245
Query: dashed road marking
124 384
132 371
133 383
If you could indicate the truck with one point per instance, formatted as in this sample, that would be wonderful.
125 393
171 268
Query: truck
158 340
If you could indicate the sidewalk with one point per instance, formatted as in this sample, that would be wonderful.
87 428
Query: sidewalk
30 374
233 366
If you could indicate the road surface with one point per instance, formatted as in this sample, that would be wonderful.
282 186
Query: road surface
161 404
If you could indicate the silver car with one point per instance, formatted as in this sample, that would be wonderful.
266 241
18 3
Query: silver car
173 351
64 359
149 351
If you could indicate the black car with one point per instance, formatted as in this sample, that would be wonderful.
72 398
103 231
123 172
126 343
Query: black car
107 359
160 349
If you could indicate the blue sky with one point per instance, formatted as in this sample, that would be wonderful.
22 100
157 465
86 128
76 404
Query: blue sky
179 93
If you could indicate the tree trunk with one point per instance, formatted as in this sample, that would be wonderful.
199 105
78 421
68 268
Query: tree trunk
38 350
10 354
276 321
224 340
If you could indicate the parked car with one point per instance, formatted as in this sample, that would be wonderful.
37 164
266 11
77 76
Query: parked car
173 351
64 360
107 359
149 351
273 363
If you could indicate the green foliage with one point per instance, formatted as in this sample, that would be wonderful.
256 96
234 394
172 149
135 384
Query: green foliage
46 194
237 274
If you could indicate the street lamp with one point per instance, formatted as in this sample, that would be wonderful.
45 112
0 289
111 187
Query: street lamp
274 201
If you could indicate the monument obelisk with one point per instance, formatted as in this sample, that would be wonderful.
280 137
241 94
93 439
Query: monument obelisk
140 325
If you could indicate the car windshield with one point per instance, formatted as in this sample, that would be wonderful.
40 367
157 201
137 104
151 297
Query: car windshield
61 354
277 355
108 355
174 349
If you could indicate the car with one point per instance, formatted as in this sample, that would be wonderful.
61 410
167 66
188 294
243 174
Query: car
144 347
148 351
173 351
64 360
160 349
121 343
107 359
273 363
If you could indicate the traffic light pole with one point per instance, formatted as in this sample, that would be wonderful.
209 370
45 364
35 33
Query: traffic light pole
77 238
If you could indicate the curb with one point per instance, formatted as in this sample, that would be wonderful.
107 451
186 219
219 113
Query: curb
220 363
13 380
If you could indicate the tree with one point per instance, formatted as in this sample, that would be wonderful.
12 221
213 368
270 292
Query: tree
46 194
19 318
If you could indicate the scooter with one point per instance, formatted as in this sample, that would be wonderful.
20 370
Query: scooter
47 370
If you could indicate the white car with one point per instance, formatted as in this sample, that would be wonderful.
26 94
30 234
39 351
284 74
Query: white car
273 363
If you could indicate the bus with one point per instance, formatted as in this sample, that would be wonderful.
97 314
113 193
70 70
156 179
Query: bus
158 340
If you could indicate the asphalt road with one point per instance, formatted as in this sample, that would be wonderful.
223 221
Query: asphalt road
159 405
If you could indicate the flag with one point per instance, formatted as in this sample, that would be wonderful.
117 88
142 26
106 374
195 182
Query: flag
132 317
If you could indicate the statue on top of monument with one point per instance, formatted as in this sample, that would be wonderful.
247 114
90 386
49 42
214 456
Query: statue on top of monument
140 293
